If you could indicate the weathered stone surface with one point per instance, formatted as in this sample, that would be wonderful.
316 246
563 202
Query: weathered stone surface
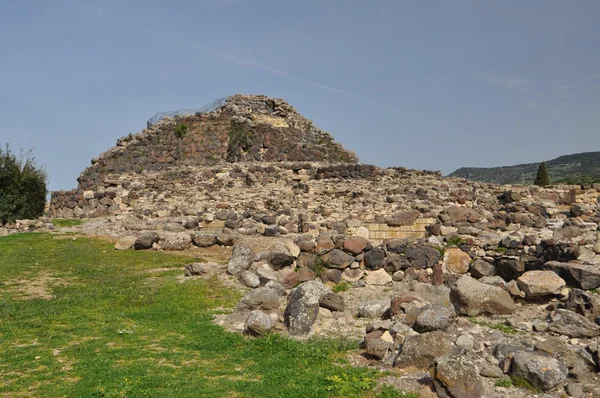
249 278
180 241
378 278
352 275
403 219
204 240
146 240
541 371
332 301
303 307
584 303
242 258
422 256
432 319
375 258
570 324
582 276
288 278
540 283
355 245
421 350
458 377
510 268
377 347
324 244
279 256
375 309
337 259
267 297
258 323
456 261
196 269
471 297
481 268
125 243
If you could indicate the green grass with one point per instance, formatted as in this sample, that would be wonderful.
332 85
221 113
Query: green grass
504 382
114 329
454 241
341 287
516 381
66 222
502 327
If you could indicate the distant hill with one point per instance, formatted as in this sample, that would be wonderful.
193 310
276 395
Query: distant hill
577 168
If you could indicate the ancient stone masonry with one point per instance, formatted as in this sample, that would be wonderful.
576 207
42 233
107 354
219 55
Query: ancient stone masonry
246 128
458 283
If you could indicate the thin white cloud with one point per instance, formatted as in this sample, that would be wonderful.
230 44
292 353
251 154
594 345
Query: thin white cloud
309 82
516 83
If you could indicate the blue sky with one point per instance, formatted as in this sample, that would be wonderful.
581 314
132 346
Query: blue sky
421 84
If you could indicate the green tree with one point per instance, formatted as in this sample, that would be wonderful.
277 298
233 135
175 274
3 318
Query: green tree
22 187
542 178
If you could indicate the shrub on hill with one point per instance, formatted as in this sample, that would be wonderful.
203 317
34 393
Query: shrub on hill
22 187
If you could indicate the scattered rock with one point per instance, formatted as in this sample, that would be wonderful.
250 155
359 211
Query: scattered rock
332 301
303 307
249 278
378 278
146 240
471 297
432 319
540 283
258 323
458 378
421 350
570 324
242 258
541 371
456 261
374 309
125 243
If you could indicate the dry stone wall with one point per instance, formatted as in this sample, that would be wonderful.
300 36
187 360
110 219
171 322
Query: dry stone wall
246 128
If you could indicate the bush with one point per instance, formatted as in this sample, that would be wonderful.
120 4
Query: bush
22 187
181 130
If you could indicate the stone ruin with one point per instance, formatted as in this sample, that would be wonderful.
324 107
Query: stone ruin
474 282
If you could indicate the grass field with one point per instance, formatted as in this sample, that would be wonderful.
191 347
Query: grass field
79 319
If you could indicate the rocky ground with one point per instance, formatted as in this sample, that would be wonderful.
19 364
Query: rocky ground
450 316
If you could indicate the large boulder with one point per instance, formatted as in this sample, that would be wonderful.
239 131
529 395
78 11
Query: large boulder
279 256
570 324
303 307
355 245
258 323
179 241
378 278
510 268
146 240
204 240
242 258
481 268
375 258
456 261
582 276
267 297
458 378
422 349
471 297
337 259
125 243
432 319
584 303
375 309
541 371
540 283
422 256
